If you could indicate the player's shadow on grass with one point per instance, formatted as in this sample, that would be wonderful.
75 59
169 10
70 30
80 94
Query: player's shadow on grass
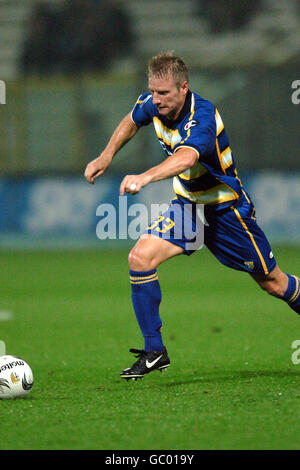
233 376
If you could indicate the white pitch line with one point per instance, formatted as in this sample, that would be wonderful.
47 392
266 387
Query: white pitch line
5 316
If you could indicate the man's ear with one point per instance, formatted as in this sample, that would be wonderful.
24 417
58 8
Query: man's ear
184 87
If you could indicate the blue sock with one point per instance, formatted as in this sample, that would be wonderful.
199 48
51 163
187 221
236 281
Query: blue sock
146 297
292 294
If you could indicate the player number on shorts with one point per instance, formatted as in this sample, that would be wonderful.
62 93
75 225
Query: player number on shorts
165 228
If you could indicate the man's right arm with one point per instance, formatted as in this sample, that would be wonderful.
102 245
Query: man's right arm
123 133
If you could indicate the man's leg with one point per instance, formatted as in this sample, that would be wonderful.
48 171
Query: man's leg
237 241
283 286
169 235
147 254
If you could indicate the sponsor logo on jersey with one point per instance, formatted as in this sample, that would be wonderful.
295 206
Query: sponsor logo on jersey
190 124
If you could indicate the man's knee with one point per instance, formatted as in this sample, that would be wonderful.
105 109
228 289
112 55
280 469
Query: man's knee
150 251
141 258
272 288
274 284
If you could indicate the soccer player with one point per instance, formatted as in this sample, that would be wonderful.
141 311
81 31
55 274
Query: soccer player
199 158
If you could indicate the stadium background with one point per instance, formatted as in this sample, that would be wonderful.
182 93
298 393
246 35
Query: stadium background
59 115
66 90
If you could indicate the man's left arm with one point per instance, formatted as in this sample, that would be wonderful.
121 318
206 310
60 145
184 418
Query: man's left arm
180 161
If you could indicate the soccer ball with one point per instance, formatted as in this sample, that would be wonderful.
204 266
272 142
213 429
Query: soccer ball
16 377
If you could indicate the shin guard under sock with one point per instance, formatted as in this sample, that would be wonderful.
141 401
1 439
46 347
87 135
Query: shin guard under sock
146 298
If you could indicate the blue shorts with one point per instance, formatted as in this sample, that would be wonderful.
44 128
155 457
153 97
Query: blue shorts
232 234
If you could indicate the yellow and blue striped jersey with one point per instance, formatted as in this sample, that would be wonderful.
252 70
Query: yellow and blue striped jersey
213 180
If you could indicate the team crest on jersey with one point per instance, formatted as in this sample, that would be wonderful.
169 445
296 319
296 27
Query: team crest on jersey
190 124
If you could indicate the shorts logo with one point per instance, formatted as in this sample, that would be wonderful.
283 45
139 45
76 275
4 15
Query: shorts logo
271 256
249 264
191 123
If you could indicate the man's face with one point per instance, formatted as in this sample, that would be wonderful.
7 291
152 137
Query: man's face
168 99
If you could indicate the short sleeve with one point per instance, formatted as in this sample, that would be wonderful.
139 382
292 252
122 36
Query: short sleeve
144 110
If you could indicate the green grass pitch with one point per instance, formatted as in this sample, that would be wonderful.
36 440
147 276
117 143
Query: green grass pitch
231 383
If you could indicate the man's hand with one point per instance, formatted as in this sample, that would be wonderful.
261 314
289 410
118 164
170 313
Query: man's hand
96 168
134 183
177 163
123 133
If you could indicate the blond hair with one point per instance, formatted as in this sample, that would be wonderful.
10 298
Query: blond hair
168 65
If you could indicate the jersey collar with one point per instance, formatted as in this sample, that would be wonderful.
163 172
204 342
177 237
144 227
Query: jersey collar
185 110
